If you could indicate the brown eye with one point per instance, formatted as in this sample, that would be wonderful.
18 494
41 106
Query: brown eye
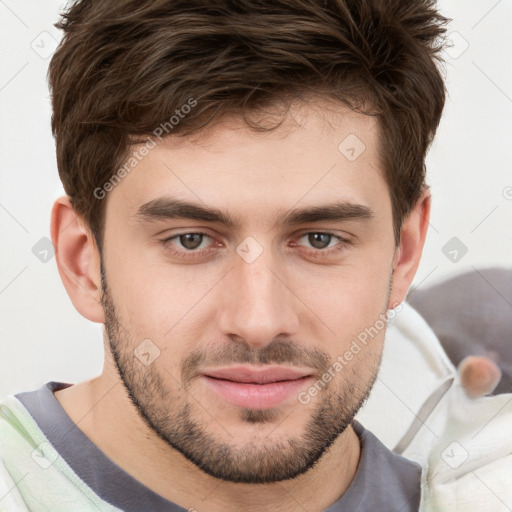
320 244
188 242
191 240
319 240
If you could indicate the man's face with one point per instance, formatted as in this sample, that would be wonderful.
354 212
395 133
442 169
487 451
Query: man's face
221 303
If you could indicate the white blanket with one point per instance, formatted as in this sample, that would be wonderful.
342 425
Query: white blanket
419 409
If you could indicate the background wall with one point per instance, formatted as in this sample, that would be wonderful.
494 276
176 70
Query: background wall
42 337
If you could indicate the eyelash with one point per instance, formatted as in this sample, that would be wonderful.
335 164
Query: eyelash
197 253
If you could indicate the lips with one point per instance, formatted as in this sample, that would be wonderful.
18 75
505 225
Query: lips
256 388
257 376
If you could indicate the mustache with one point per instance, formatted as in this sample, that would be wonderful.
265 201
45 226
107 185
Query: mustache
277 352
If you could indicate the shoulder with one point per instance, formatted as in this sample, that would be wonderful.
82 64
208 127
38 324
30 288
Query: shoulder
385 479
33 476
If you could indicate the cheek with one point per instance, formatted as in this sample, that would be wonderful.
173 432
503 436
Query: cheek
137 290
159 302
350 295
351 302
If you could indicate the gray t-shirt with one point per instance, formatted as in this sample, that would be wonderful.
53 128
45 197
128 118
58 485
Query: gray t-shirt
384 481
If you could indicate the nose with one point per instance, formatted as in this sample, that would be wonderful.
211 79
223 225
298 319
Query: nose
257 302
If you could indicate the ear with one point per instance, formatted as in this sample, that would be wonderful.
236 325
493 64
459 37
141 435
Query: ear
408 254
77 259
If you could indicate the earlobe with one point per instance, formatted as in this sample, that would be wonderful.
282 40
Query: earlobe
408 255
78 260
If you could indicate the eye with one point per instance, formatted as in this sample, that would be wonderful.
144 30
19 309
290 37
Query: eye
321 244
319 240
187 242
199 244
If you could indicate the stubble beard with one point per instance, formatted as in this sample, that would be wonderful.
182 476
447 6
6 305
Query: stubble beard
175 416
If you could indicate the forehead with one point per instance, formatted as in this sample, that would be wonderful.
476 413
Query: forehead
318 154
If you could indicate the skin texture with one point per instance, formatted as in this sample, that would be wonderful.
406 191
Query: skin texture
294 305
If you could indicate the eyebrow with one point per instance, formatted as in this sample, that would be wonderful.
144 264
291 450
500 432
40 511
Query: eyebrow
169 208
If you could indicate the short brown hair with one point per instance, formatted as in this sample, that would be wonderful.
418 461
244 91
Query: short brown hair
124 67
